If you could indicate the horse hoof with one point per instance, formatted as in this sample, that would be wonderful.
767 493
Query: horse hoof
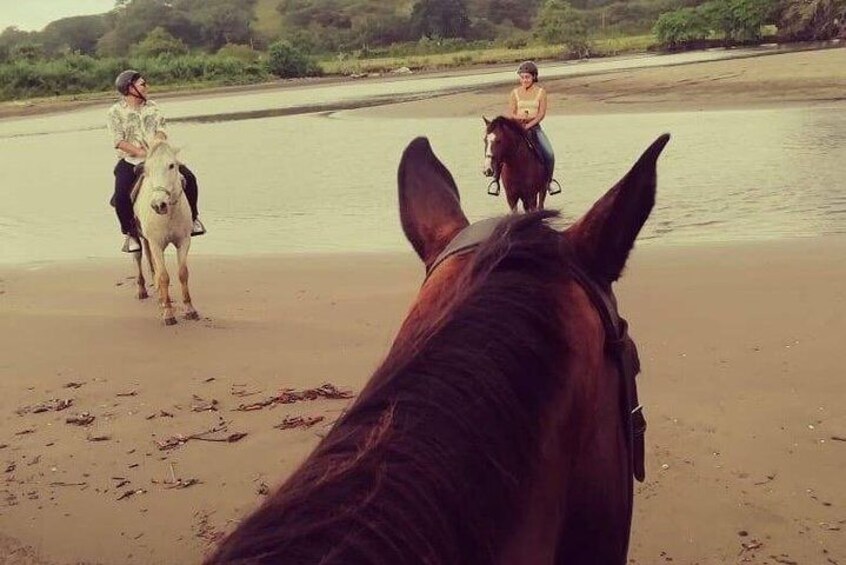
192 316
143 295
170 321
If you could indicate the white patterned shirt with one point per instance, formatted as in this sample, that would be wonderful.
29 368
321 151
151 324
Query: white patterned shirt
137 126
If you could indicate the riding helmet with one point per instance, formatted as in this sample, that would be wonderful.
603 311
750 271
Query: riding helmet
528 67
125 79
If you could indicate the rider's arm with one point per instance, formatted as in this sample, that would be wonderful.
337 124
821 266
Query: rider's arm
116 129
131 150
541 111
512 105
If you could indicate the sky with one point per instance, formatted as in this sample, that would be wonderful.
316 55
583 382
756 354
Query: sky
33 15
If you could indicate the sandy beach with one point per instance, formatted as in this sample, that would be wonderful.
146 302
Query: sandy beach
741 381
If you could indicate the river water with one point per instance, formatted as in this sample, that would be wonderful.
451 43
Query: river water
277 176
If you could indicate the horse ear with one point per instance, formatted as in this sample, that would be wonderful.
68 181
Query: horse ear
604 236
430 207
487 121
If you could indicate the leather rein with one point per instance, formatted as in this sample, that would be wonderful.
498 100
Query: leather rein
618 343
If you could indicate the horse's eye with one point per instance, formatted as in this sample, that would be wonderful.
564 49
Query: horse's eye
171 166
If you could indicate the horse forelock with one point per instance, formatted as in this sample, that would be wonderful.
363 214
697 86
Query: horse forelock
429 463
160 149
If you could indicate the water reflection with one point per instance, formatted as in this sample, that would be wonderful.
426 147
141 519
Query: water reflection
317 183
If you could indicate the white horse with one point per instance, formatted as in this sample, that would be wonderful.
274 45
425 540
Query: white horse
163 216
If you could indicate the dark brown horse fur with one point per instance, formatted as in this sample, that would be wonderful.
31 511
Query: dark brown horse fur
492 432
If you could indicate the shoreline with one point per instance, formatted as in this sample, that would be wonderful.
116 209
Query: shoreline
739 377
22 109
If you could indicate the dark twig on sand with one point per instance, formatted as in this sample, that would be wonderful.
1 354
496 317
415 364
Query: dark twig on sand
299 422
178 440
290 396
52 405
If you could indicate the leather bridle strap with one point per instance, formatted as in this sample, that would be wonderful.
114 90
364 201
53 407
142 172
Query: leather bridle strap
624 351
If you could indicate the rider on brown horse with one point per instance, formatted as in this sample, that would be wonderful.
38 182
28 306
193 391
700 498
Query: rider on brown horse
527 104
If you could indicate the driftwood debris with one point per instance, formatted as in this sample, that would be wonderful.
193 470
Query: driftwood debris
290 396
298 422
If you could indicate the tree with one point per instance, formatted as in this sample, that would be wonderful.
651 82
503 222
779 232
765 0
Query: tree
440 18
75 34
559 23
160 42
518 12
813 19
220 21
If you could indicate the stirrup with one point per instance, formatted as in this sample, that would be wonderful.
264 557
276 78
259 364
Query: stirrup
131 244
554 187
493 187
197 228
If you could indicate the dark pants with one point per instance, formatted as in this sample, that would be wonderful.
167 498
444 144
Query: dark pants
125 178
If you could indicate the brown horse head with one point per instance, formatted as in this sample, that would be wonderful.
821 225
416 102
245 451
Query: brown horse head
497 429
511 157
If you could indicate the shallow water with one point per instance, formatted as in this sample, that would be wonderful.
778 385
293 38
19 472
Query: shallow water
327 182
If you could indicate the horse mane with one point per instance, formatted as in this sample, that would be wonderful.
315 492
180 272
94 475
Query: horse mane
508 124
430 462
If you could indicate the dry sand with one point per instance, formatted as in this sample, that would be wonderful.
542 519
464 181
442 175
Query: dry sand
742 385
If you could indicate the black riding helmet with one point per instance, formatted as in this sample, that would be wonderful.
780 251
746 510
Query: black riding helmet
125 79
528 67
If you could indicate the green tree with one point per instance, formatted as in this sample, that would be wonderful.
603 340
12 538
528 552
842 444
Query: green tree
160 42
440 18
77 34
813 19
220 21
681 27
559 23
738 20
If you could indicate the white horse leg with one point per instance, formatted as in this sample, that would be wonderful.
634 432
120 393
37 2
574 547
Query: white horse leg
162 285
182 259
142 284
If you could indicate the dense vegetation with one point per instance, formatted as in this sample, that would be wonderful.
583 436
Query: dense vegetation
245 41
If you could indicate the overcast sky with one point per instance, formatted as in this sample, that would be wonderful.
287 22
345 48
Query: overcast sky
33 15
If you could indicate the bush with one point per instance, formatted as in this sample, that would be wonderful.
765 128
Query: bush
243 53
286 61
559 23
680 27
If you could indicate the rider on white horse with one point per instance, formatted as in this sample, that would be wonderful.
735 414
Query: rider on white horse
134 123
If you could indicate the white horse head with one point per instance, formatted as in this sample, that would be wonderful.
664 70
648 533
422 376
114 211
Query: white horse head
161 172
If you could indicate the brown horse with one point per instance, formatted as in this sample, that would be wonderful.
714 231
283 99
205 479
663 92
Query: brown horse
510 156
498 430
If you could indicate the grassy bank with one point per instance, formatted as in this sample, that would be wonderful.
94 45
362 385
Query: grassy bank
80 77
604 47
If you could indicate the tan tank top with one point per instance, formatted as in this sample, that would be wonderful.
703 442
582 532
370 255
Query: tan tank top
528 108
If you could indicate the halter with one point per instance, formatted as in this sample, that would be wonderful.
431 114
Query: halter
618 343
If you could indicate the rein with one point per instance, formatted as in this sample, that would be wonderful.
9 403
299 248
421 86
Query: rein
618 343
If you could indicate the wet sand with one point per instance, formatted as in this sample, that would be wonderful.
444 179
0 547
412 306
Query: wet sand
741 380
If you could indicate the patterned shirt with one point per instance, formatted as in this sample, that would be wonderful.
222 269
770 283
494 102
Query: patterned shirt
137 126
